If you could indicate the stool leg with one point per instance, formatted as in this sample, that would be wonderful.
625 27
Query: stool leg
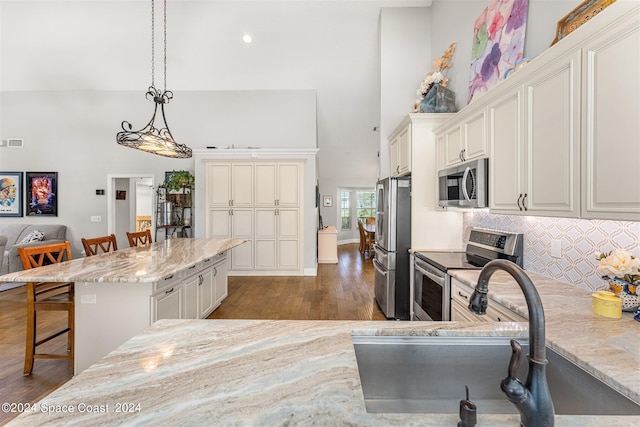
31 334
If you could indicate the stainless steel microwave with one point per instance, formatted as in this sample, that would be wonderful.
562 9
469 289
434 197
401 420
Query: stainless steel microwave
465 185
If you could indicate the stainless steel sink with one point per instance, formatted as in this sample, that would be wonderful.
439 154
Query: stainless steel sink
429 374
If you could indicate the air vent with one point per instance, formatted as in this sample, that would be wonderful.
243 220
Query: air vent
15 143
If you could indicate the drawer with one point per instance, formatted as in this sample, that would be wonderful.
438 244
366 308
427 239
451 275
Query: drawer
166 282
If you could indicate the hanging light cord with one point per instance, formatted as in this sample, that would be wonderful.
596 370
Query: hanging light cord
155 138
153 43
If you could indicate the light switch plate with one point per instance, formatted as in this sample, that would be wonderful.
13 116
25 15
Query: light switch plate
87 299
96 219
556 248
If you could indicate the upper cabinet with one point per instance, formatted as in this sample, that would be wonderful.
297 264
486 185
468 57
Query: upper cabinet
411 142
466 139
535 142
610 128
400 149
563 135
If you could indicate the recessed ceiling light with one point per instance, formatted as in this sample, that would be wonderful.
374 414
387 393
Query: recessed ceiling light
247 38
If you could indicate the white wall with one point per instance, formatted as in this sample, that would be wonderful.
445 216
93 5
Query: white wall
453 22
73 133
405 58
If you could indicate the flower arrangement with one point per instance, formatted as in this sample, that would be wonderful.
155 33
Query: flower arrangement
622 270
436 77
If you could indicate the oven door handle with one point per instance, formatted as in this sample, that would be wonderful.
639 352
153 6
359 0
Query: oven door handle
439 280
380 268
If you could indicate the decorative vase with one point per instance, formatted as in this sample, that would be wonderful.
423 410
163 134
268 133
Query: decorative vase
438 99
627 293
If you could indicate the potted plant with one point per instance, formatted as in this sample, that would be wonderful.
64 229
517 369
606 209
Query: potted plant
179 181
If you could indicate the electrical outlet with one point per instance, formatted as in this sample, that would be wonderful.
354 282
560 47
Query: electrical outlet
556 248
96 219
87 299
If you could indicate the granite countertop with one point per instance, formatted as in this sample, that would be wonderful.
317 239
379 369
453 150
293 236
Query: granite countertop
262 372
138 264
607 348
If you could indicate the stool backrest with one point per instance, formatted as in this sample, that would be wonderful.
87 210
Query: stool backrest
139 238
37 256
97 245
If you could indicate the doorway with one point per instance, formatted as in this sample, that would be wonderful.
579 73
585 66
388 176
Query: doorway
130 203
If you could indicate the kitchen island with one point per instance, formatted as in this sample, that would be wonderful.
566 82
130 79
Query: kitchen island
118 294
260 372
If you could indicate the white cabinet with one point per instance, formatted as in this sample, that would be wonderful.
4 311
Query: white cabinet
206 291
234 223
190 289
227 184
194 294
611 110
277 239
220 283
535 143
400 149
167 304
465 140
277 184
271 225
460 296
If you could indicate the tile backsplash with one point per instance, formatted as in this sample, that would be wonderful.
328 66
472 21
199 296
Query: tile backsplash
580 240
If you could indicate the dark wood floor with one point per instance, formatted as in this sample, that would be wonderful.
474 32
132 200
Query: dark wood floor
342 291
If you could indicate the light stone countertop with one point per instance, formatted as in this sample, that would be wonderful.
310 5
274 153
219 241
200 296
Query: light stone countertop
139 264
607 348
271 373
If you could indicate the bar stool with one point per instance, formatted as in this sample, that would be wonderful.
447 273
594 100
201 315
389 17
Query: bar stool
97 245
139 238
47 296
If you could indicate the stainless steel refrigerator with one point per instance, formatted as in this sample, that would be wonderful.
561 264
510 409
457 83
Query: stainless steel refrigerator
393 240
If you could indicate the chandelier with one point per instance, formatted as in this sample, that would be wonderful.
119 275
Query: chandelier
155 138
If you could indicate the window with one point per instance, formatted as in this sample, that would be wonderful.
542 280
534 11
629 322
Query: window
366 205
358 204
345 211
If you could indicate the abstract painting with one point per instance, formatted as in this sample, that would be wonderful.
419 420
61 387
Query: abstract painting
498 43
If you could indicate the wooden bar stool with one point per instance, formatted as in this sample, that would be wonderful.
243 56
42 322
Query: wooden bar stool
47 296
97 245
139 238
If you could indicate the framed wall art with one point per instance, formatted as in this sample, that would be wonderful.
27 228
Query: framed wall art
11 202
41 193
578 16
327 201
498 43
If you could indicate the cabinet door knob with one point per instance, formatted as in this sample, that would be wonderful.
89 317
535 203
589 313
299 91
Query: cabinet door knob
463 295
523 202
215 271
519 197
169 291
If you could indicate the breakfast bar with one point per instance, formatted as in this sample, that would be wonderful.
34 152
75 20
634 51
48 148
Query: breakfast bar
118 294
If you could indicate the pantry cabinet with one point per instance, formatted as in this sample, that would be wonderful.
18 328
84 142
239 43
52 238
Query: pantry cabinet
271 225
234 223
227 184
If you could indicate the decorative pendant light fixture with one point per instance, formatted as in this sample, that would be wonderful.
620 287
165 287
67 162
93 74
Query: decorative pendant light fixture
156 139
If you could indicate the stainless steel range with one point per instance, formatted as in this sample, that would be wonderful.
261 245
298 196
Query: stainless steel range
431 284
